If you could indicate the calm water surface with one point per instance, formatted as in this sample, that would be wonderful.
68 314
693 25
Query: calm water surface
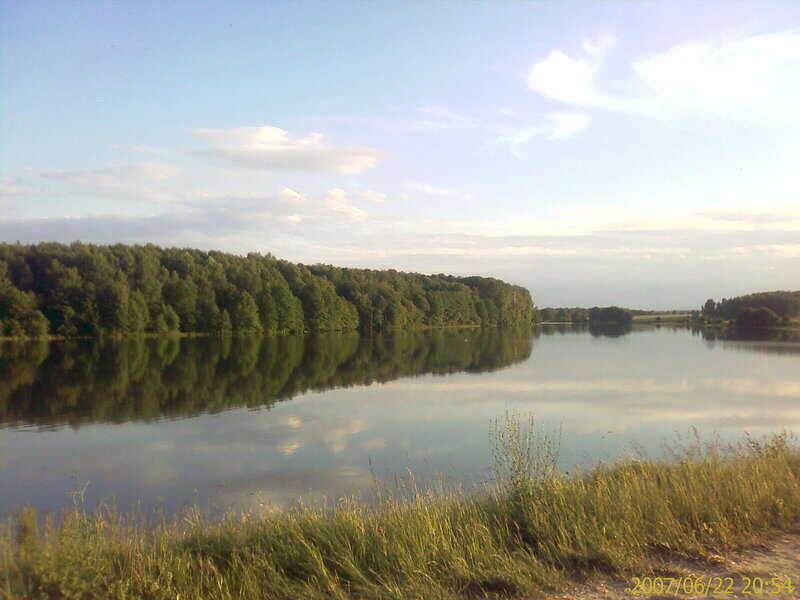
251 423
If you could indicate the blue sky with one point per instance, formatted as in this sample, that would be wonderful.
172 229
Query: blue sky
633 153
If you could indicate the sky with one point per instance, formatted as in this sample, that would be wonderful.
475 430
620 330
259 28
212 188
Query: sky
643 154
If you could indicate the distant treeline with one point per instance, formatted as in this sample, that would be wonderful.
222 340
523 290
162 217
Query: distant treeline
764 309
86 290
609 314
564 315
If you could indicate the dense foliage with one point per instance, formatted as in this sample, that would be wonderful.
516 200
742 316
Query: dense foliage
784 304
564 315
86 290
757 317
610 314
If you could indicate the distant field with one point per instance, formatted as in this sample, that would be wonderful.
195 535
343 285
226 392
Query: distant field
663 317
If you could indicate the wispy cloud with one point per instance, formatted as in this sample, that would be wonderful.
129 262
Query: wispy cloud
755 218
236 222
291 196
338 201
437 118
414 120
638 254
373 196
140 149
334 226
273 149
141 181
11 187
755 79
558 126
572 80
115 175
432 190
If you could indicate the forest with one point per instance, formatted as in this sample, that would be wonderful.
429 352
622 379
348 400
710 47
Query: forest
564 315
596 315
85 290
784 304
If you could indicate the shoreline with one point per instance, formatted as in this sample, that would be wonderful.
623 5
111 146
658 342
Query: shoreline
198 334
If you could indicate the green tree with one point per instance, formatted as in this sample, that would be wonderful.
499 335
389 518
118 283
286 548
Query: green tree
181 295
171 318
34 324
245 316
138 314
223 325
758 317
84 289
208 314
112 304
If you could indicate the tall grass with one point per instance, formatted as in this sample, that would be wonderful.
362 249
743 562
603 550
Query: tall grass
528 531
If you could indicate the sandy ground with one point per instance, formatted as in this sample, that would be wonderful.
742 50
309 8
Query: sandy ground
759 573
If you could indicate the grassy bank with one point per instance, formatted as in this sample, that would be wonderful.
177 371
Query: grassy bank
532 529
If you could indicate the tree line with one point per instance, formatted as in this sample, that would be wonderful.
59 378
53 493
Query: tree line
595 315
763 309
564 315
86 290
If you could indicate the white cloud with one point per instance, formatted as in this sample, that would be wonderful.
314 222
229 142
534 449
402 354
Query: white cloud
600 46
140 149
338 201
758 75
140 181
567 124
333 226
780 250
425 119
270 148
291 196
373 196
596 245
432 190
756 218
442 119
572 80
13 188
756 79
559 126
116 175
563 78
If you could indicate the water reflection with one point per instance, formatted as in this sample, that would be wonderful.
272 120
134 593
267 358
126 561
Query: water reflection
79 382
760 340
228 425
609 330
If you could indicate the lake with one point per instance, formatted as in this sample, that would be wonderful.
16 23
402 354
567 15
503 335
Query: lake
256 424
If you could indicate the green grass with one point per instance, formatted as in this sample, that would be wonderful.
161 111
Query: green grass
529 531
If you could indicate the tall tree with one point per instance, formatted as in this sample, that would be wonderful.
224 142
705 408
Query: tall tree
245 317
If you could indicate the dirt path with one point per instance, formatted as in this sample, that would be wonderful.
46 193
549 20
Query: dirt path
768 571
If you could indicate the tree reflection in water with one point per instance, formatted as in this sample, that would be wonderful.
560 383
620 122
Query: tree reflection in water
114 381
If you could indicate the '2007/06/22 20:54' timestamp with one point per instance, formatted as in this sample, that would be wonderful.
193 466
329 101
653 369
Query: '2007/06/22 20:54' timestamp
692 586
